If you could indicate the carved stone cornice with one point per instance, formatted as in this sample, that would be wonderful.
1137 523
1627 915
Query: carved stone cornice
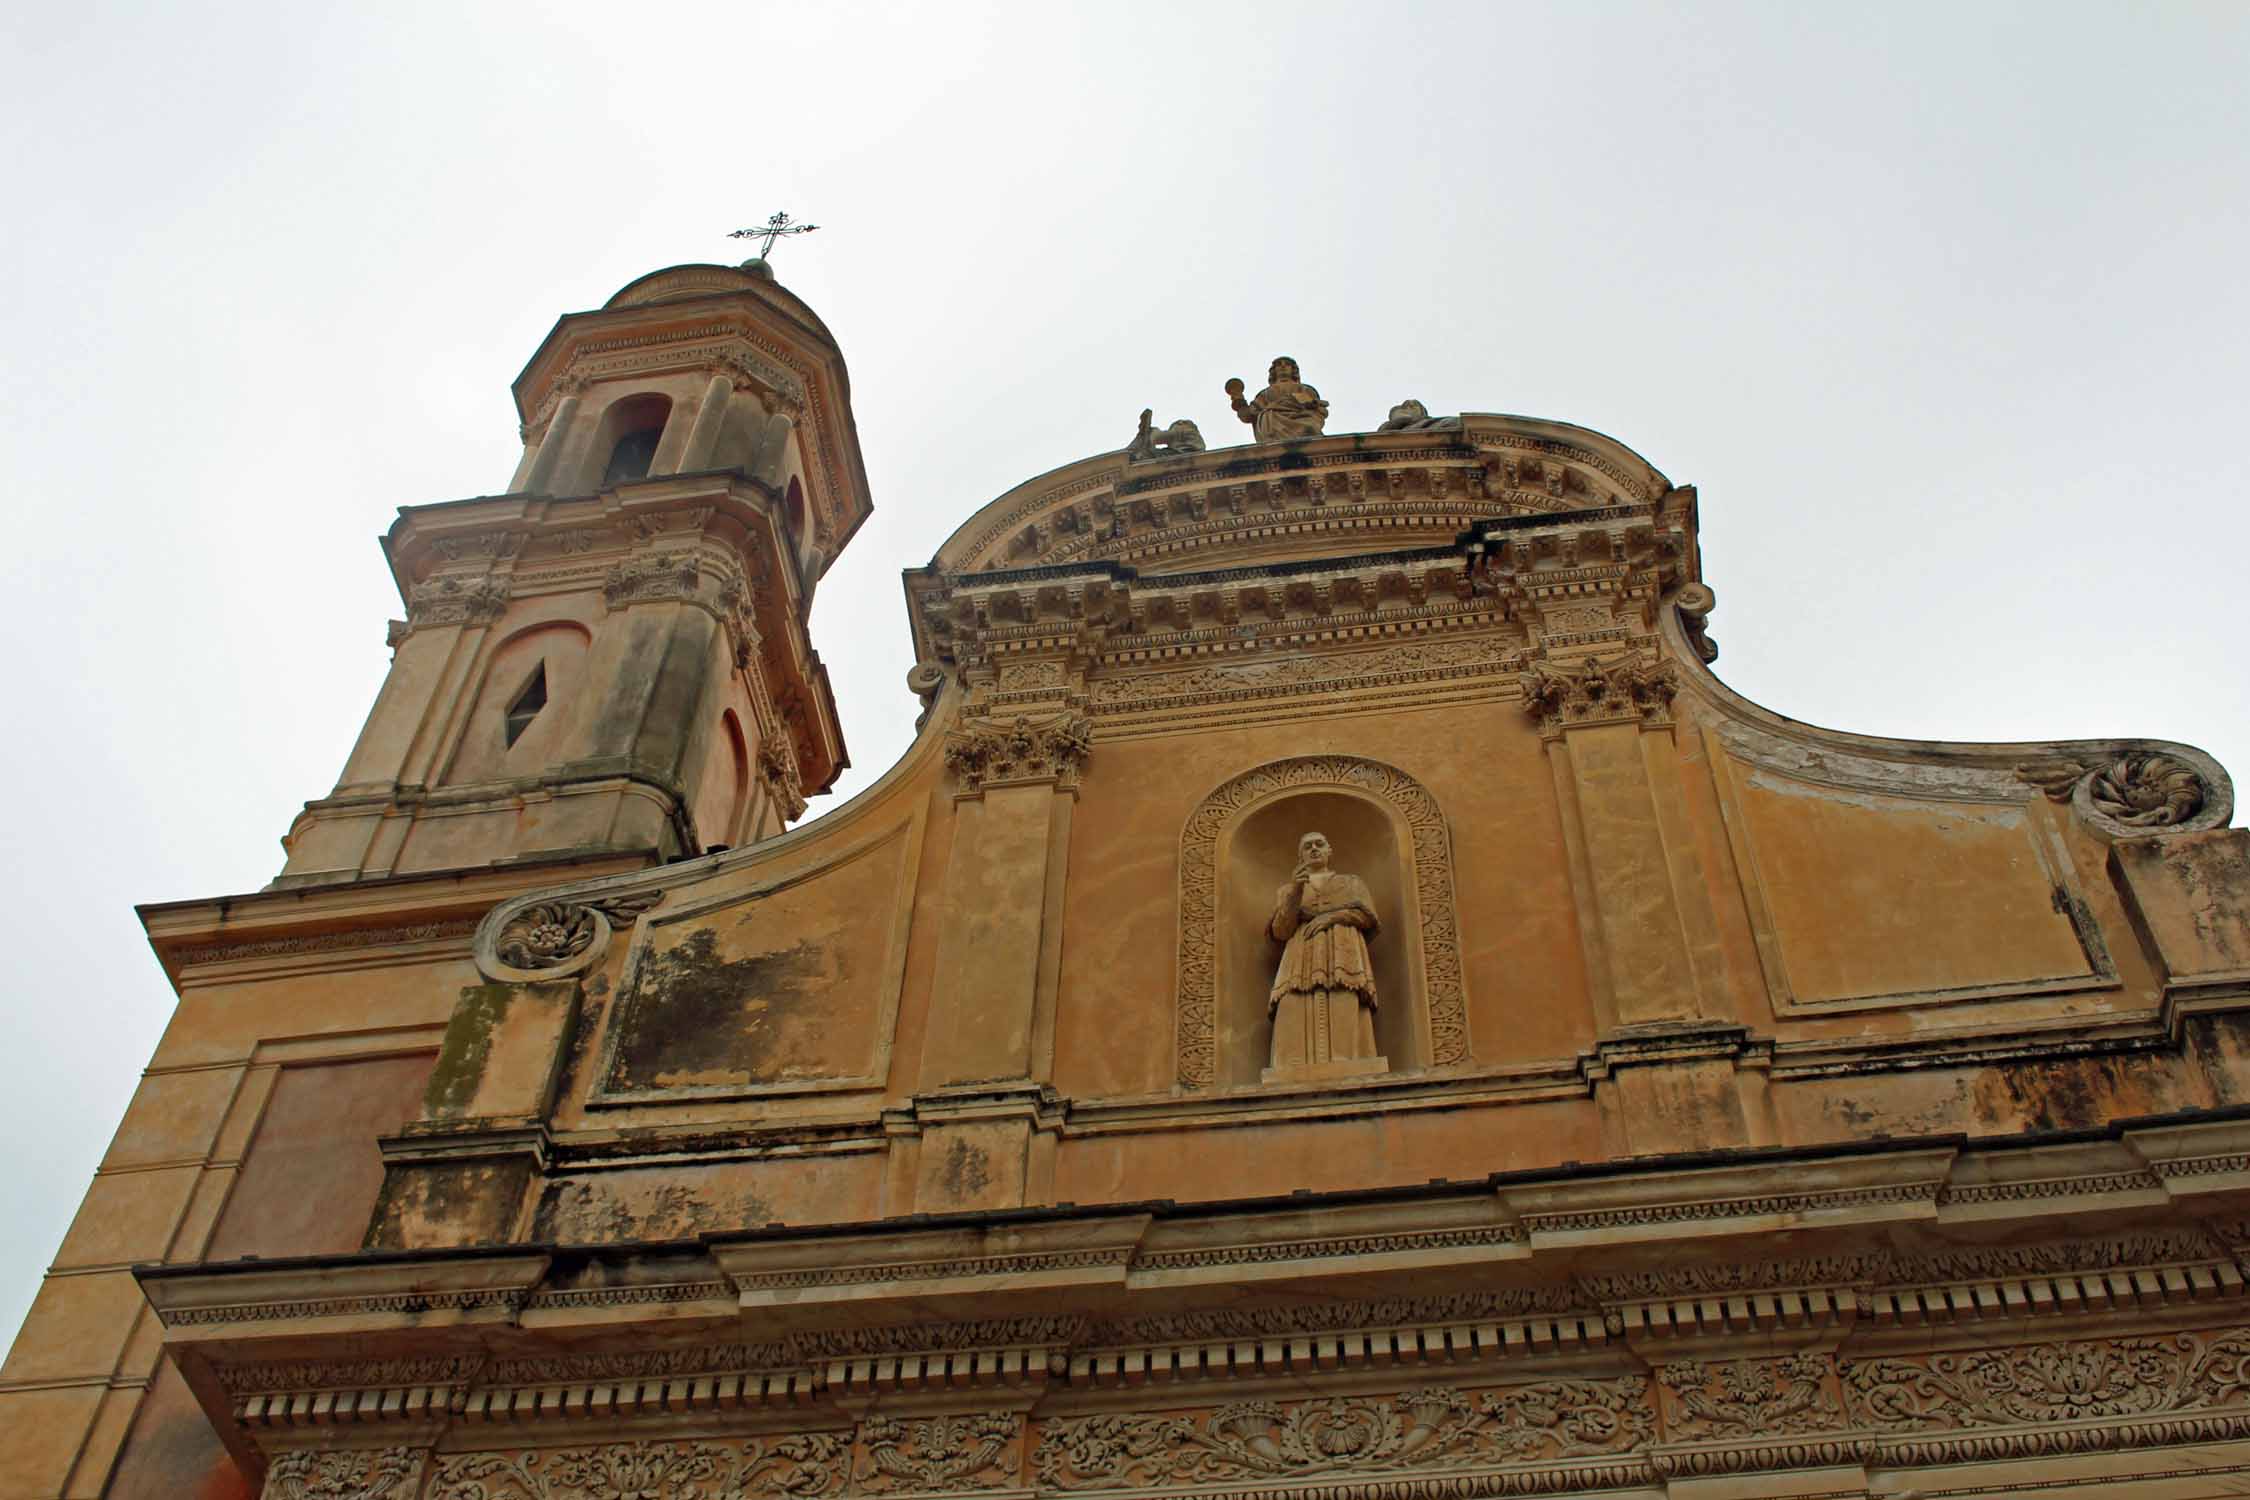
1474 468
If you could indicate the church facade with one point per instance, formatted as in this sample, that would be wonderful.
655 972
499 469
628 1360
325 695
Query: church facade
1338 1002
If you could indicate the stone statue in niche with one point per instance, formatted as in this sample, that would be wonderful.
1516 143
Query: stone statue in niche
1323 999
1286 408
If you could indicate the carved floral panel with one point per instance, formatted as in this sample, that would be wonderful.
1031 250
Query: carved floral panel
806 1464
2057 1382
1435 1427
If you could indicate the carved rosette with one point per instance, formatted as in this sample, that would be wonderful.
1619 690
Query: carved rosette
2136 792
988 754
537 941
456 601
1616 690
1198 1006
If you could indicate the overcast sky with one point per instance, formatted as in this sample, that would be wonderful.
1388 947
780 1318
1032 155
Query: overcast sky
1942 306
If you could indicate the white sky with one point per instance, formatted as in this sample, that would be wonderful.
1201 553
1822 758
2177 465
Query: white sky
1942 306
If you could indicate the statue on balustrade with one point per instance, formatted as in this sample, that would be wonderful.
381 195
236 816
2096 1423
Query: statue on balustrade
1286 408
1323 999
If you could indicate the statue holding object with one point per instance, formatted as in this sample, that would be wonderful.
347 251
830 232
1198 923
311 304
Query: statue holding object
1286 408
1323 999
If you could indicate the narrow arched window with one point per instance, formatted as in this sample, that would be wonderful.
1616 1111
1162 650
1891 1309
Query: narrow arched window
527 705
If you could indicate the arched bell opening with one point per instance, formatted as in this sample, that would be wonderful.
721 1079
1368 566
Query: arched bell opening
631 430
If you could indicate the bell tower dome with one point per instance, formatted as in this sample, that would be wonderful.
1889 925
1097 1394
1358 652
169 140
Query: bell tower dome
612 658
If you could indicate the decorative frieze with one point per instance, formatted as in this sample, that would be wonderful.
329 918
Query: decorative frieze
1748 1398
1243 681
1436 1427
940 1455
348 1474
806 1465
2072 1381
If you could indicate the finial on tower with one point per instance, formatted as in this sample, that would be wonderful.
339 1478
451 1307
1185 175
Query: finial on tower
778 227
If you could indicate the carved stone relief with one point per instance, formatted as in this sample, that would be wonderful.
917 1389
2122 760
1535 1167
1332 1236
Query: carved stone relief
1436 1427
351 1474
1228 682
2136 792
1432 878
2058 1382
924 1455
1748 1398
554 939
803 1464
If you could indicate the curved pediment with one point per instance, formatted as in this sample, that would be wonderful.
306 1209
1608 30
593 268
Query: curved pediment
1326 496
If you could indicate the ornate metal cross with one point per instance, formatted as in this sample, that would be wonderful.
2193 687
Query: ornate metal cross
775 228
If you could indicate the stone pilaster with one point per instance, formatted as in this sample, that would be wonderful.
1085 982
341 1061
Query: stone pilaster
1600 687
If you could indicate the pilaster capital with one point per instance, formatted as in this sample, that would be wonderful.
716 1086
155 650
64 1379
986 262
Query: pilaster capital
986 753
455 600
1636 688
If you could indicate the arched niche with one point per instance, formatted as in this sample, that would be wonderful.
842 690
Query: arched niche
500 740
725 787
1239 846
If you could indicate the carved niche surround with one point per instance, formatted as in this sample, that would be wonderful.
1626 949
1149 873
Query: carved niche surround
1429 847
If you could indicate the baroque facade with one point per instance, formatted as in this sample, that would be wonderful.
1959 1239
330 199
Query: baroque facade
1338 1002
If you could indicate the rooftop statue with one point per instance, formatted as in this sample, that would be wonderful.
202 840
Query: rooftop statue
1182 436
1286 408
1411 415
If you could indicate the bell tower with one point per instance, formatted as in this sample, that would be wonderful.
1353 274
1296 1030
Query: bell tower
610 660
